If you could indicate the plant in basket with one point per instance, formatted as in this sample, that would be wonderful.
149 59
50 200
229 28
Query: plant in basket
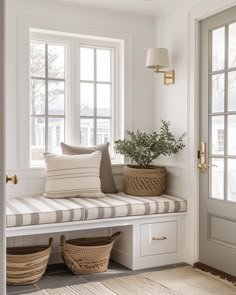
143 148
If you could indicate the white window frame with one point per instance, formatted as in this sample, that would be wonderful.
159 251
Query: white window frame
72 87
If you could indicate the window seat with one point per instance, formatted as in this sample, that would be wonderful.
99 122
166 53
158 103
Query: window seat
153 228
40 210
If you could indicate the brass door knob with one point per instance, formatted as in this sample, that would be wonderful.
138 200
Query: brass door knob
13 179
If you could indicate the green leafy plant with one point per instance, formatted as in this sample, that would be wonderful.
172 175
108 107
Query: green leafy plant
142 148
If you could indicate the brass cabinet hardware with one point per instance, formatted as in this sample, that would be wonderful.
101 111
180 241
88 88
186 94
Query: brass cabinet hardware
13 179
159 238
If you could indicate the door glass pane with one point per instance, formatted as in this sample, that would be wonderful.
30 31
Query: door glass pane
218 49
87 132
87 99
218 93
37 139
232 91
103 65
37 97
232 45
218 135
55 134
232 135
103 131
87 64
56 61
103 99
37 59
56 97
232 180
217 179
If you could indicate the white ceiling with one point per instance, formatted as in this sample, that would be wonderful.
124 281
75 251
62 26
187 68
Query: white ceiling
149 7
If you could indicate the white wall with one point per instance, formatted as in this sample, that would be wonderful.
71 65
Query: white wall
136 30
171 100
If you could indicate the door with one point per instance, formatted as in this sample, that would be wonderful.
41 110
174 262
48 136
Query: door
2 166
218 130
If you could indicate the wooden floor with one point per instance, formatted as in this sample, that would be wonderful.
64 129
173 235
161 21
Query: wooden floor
58 276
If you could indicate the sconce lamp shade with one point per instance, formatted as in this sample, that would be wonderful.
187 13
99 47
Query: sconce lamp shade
157 58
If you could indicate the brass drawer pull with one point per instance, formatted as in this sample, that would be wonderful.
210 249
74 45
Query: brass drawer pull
159 238
13 178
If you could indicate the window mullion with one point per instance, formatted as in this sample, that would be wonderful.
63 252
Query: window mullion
95 98
46 97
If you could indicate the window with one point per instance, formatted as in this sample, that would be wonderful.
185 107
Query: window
47 98
96 88
85 113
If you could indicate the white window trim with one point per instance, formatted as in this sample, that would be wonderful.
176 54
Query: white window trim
72 135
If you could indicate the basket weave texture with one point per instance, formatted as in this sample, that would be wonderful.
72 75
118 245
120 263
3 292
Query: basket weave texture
87 255
26 265
144 182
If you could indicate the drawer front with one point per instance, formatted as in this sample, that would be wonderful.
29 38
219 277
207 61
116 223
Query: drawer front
159 238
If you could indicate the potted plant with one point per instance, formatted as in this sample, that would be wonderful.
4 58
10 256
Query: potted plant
145 179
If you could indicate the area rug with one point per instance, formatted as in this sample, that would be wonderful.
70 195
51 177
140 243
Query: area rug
176 281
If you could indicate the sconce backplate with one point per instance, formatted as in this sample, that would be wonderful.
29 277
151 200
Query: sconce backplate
169 77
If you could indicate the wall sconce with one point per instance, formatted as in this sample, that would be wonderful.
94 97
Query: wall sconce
158 58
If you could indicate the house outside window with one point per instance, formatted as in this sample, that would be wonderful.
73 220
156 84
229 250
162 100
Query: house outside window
220 140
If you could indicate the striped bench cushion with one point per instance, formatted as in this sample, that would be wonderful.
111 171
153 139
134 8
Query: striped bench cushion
40 210
118 205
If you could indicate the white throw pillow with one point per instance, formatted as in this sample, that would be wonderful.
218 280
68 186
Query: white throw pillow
73 176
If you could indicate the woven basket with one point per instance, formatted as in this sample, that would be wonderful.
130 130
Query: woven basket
26 265
87 255
144 182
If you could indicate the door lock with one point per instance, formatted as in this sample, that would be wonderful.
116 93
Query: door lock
203 166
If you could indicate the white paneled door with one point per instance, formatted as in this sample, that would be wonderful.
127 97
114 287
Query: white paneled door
2 157
217 166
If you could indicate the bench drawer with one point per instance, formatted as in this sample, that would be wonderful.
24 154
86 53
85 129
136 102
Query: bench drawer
159 238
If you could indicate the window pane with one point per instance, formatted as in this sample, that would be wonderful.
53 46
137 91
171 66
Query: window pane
217 179
232 91
56 61
37 139
56 97
218 135
103 131
87 132
37 97
218 92
103 100
55 134
103 65
37 59
232 135
232 180
87 64
86 99
232 45
218 49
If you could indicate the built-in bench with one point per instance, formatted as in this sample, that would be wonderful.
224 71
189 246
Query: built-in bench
153 227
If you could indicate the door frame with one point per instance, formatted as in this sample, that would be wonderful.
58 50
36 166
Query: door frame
197 14
2 154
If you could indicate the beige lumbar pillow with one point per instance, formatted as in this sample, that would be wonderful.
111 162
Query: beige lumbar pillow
107 181
73 176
